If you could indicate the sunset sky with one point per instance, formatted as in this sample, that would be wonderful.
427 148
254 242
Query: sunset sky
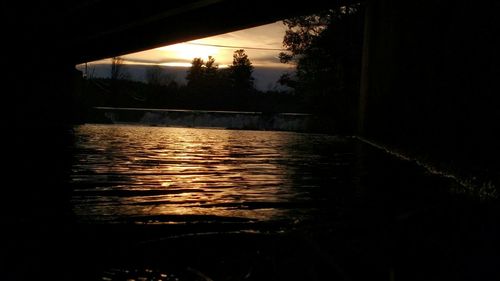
262 45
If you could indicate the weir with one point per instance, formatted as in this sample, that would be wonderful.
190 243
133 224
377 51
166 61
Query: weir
236 120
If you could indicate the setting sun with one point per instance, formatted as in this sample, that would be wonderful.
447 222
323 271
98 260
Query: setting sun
186 51
262 44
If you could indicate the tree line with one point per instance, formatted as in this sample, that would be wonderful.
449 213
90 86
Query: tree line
209 87
325 48
206 76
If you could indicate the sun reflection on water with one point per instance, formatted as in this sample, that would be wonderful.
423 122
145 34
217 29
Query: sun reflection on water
160 173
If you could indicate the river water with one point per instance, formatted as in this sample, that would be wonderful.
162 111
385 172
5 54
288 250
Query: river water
154 202
164 175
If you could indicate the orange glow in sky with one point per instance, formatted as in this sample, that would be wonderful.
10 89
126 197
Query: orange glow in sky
186 51
262 45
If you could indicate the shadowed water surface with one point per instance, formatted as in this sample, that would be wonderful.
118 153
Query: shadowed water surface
154 203
178 175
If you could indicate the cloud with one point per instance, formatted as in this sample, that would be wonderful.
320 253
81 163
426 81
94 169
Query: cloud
265 36
262 44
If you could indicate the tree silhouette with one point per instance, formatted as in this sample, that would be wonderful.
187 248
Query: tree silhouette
117 71
203 75
157 76
241 71
211 68
195 74
326 47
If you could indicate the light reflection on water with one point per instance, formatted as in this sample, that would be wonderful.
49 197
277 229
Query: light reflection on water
175 175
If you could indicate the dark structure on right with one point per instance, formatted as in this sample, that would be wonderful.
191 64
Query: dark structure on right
430 83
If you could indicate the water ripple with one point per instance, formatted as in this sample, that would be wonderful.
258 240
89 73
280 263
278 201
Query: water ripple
178 175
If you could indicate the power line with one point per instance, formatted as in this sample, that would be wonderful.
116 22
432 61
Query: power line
235 47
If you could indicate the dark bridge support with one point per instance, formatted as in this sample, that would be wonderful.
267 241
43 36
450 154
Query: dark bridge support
430 82
38 116
36 157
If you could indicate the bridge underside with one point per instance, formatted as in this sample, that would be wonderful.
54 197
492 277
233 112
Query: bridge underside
86 30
